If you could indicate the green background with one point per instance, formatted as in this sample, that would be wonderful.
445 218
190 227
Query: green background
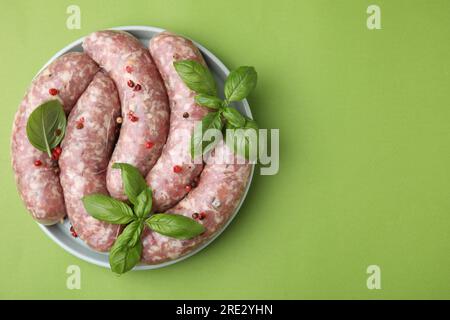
364 137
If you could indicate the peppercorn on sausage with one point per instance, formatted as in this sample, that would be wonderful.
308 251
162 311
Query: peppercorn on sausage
86 150
212 203
36 174
173 174
145 109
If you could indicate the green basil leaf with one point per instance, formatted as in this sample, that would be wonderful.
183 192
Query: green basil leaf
144 203
175 226
212 120
133 182
123 258
46 126
240 83
126 251
233 117
250 124
107 209
196 76
240 140
208 101
135 232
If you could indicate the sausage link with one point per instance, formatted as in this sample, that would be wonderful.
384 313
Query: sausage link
39 186
169 187
145 109
220 190
87 147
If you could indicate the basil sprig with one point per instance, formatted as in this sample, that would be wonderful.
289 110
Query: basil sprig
46 126
238 86
127 249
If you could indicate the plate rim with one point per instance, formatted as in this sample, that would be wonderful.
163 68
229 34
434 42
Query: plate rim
48 229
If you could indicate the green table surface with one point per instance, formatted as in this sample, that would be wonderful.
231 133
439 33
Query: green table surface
364 173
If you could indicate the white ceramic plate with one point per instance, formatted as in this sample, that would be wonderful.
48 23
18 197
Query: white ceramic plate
60 232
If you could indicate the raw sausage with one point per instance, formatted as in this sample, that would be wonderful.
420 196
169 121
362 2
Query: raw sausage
169 185
145 109
220 190
36 174
86 149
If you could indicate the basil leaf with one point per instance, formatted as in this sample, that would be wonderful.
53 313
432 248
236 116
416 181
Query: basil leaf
175 226
240 83
233 117
241 138
46 126
208 101
135 232
107 209
133 182
196 76
126 251
144 203
212 120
